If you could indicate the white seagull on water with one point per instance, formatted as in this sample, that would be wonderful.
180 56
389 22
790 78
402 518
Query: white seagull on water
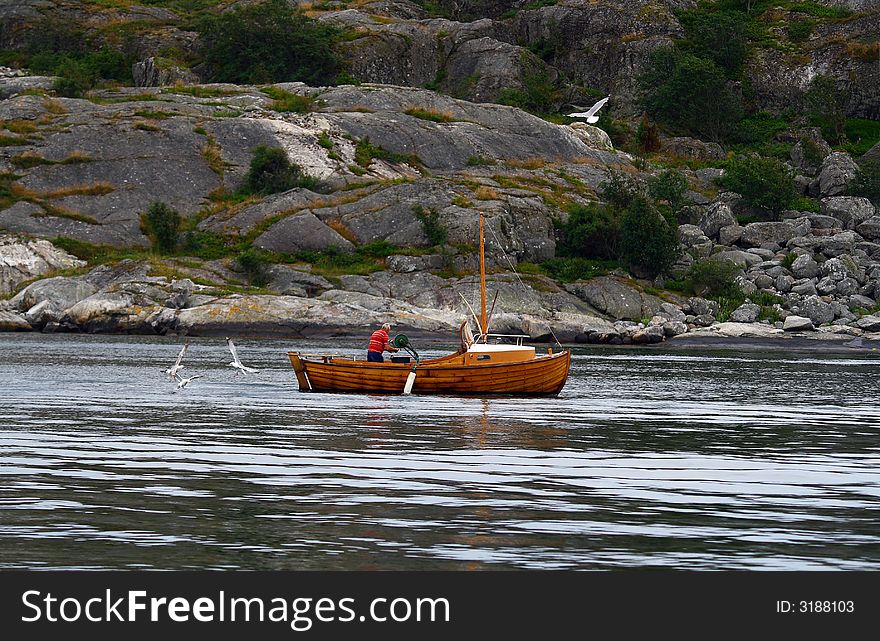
590 114
183 382
172 371
235 362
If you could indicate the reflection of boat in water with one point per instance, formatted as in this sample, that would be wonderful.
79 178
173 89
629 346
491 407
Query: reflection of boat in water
480 366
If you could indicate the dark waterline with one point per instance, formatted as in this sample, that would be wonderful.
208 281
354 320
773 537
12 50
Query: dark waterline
695 458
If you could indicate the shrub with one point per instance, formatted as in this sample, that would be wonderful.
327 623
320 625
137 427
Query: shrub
713 278
760 127
206 245
618 190
255 265
650 240
670 186
826 106
272 172
434 230
648 135
763 182
267 42
574 268
804 203
74 79
365 151
799 30
477 161
591 231
689 93
539 93
867 181
162 225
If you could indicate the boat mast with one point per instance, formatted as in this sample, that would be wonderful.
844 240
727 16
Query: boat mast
484 326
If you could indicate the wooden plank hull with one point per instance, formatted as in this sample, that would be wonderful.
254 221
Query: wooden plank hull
543 375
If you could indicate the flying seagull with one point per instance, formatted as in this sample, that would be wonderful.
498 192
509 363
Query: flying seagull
183 382
235 362
172 371
590 114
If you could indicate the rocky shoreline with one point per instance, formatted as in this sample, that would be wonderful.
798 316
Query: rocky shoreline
127 298
85 170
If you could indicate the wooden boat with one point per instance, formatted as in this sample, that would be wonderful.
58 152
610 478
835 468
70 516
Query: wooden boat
480 366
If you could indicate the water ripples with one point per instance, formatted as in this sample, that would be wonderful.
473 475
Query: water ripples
649 458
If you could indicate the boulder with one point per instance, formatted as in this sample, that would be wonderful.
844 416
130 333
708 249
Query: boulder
161 72
691 148
650 334
703 307
817 310
671 312
838 170
407 264
870 228
718 215
730 235
857 301
761 234
743 260
795 323
22 260
869 323
674 328
591 136
851 211
804 287
808 153
61 291
842 243
614 298
13 322
745 313
301 232
691 235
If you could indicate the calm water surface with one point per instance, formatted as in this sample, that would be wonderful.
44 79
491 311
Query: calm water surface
695 458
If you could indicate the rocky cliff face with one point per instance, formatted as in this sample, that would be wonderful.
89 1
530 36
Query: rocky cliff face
388 156
480 48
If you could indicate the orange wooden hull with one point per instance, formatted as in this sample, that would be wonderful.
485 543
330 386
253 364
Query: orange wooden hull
543 375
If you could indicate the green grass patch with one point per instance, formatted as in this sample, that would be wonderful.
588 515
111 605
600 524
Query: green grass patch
198 91
819 11
7 198
324 140
861 134
480 161
12 141
566 270
333 262
154 115
429 114
29 160
284 101
98 254
365 152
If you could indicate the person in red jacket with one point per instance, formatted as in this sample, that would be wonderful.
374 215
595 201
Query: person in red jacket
380 341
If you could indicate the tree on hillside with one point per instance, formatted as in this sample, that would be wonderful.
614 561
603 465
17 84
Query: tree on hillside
650 239
267 42
762 182
826 106
721 36
690 94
